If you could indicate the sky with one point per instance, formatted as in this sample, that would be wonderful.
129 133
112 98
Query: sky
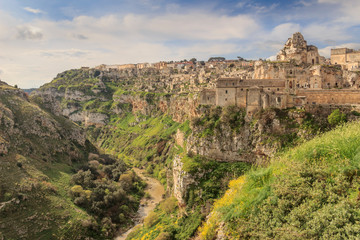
41 38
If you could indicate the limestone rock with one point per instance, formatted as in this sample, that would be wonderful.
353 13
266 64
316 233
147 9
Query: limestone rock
296 49
181 180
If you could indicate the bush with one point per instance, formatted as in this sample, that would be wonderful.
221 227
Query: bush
169 205
151 220
336 117
164 236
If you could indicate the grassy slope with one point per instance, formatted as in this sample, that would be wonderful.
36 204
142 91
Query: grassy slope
35 176
310 192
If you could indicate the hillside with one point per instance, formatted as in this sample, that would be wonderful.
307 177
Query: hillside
41 194
309 192
193 149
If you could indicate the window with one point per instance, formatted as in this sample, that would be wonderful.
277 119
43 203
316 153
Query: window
208 98
278 89
242 89
225 99
226 91
233 84
278 99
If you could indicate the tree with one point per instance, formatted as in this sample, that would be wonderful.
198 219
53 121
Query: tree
240 58
193 60
336 117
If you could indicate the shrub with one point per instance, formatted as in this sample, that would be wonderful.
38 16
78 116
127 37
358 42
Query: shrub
151 220
169 205
336 117
164 236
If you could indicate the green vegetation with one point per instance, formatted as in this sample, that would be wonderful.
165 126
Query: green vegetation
310 192
214 117
141 140
336 117
109 191
35 172
210 182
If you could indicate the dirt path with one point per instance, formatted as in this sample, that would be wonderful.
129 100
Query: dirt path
156 191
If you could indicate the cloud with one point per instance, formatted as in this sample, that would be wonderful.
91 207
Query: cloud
32 10
326 32
329 1
283 31
174 33
80 36
65 53
29 32
305 3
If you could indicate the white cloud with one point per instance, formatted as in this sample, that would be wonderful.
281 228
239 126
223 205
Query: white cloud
90 41
29 32
329 1
305 3
326 32
32 10
283 31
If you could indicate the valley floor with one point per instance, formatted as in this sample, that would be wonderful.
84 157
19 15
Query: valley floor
155 191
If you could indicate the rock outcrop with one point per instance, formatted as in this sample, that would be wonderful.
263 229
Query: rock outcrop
296 49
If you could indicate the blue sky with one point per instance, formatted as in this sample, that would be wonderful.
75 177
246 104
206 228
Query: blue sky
41 38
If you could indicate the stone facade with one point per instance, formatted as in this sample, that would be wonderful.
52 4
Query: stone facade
348 58
250 94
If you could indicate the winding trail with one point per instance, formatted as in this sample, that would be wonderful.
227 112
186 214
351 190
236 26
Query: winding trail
156 191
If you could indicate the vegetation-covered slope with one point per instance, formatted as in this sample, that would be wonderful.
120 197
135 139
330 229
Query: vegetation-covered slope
39 196
39 151
194 150
309 192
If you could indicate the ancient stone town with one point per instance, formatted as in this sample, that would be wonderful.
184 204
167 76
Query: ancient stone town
299 77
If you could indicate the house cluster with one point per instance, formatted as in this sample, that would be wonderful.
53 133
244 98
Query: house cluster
297 79
181 66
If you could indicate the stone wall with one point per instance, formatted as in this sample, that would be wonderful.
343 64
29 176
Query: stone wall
336 96
226 96
344 56
208 97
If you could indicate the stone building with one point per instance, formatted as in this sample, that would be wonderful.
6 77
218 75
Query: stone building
348 58
296 49
251 94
